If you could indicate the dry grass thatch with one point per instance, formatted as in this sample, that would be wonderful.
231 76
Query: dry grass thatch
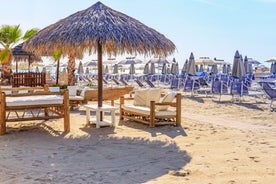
21 55
117 32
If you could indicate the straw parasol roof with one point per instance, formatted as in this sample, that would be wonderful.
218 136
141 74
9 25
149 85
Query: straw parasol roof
130 60
19 54
102 30
117 33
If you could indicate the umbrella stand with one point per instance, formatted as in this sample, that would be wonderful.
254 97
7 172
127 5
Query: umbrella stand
100 78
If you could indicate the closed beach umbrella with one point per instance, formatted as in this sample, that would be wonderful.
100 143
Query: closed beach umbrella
174 68
168 70
146 69
224 68
245 62
185 67
106 69
250 68
238 66
214 69
152 69
115 69
201 69
228 69
191 65
271 67
164 68
274 68
87 70
177 68
102 30
131 69
80 68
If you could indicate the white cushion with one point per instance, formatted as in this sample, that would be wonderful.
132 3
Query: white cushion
54 89
34 100
83 91
154 94
168 98
72 90
146 110
76 98
140 97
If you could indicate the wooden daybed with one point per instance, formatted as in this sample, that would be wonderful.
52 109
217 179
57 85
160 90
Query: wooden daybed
152 114
36 103
113 93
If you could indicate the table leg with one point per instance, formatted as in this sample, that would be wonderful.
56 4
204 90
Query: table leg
87 116
113 117
98 119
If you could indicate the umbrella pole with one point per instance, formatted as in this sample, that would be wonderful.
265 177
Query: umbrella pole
57 72
100 78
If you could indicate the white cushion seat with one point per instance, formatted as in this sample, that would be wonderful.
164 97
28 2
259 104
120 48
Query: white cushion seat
146 110
76 97
34 100
54 89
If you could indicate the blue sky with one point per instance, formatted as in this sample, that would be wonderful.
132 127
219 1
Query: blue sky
214 28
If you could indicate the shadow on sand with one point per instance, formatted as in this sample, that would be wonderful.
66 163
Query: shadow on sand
39 154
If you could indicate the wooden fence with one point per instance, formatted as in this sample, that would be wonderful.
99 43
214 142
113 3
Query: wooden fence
31 79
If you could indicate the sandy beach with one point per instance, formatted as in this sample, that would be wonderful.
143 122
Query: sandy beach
218 142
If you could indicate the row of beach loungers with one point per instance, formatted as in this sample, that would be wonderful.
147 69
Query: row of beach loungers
215 85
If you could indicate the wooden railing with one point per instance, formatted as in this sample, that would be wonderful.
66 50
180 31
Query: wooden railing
31 79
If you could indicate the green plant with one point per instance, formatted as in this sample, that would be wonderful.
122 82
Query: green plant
91 84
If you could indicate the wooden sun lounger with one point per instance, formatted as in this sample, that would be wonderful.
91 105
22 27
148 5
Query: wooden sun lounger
150 115
40 104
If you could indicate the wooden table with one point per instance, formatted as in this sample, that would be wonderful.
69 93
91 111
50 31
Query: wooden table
98 110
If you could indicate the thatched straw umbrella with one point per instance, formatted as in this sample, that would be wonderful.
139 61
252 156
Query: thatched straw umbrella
98 29
19 54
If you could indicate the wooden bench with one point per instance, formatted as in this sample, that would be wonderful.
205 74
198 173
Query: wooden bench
150 115
108 94
37 104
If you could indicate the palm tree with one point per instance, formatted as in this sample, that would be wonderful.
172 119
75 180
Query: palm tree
9 36
56 56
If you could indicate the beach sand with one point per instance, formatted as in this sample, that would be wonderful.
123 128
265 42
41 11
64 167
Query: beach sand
218 142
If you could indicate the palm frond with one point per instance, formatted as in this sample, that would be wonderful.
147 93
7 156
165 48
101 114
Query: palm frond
30 33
